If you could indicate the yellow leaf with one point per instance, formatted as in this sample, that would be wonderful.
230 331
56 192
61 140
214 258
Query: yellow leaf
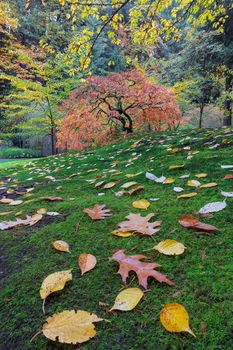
193 183
5 213
201 175
54 282
173 167
17 202
127 299
187 195
86 262
62 246
109 185
70 327
133 175
170 247
141 204
42 211
98 184
169 180
175 318
122 234
210 184
129 184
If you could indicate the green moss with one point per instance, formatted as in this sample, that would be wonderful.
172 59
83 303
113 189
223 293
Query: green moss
204 287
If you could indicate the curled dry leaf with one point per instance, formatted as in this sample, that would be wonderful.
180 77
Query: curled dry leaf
98 212
175 318
70 327
228 176
170 247
52 199
201 175
139 224
174 167
86 262
62 246
169 180
152 177
29 221
178 189
127 299
141 204
135 190
227 194
187 195
144 270
190 221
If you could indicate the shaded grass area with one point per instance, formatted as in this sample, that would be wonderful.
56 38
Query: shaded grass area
202 276
15 152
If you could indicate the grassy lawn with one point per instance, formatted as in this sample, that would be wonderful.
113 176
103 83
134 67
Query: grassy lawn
14 163
202 275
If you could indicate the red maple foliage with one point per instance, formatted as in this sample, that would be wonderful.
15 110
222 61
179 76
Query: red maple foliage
124 101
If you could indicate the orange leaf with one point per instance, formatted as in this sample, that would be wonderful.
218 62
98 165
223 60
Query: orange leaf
190 221
86 262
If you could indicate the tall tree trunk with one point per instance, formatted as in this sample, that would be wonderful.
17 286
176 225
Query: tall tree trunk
201 115
227 120
53 140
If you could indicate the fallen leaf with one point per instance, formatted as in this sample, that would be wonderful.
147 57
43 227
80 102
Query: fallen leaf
127 299
141 204
210 184
129 184
178 189
133 175
70 327
135 190
144 270
190 221
98 212
29 221
98 184
109 185
52 199
193 183
228 176
226 166
169 180
152 177
54 282
42 211
86 262
122 234
201 175
213 207
187 195
62 246
140 224
175 318
173 167
227 194
170 247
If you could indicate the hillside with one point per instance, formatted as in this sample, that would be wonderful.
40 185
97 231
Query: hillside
202 274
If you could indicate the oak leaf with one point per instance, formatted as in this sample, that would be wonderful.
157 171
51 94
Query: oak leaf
29 221
140 224
70 327
98 212
144 270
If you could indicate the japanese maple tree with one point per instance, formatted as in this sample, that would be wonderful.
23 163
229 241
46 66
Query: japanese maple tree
120 101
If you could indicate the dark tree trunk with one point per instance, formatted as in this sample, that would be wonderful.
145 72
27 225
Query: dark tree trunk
227 120
53 140
201 115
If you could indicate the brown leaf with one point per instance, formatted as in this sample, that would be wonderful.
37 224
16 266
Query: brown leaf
135 190
29 221
144 270
140 224
86 262
203 256
98 212
52 199
203 328
190 221
228 176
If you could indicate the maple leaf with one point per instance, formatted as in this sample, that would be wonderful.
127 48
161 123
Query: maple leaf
144 270
140 224
98 212
29 221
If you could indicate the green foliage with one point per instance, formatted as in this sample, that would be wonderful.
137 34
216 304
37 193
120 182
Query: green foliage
15 152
